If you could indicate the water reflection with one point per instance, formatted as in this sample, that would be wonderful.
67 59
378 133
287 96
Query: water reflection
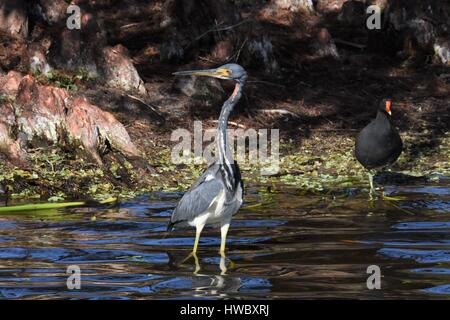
282 244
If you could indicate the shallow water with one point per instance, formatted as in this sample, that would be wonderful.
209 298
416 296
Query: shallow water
281 245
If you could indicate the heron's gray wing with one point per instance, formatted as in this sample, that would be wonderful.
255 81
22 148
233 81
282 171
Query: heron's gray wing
196 200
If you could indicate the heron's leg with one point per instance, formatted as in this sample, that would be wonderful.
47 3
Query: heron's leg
198 231
223 231
372 189
197 264
222 264
193 253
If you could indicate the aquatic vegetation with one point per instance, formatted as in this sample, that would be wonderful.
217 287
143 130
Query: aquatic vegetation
318 165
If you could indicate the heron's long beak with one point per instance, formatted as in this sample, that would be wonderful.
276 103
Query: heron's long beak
220 73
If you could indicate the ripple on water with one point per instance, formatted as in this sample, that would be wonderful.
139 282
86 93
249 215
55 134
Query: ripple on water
442 289
81 255
422 225
422 256
291 246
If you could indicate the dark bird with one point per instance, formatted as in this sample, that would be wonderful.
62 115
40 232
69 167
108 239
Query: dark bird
217 194
378 144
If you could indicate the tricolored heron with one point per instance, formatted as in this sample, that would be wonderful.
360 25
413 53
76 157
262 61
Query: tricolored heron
217 194
379 143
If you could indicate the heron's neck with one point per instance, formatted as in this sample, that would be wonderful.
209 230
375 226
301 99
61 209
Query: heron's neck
225 156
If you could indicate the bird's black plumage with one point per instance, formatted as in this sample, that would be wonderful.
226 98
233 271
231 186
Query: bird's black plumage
378 144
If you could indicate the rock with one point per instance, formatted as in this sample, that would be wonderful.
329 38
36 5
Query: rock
38 60
13 17
295 5
95 129
324 46
328 6
9 83
41 111
13 52
44 115
8 146
120 71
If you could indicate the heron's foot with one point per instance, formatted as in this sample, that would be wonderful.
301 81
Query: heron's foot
197 264
223 264
388 198
196 261
372 196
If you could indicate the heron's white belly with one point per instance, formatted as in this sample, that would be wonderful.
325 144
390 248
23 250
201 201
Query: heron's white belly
214 213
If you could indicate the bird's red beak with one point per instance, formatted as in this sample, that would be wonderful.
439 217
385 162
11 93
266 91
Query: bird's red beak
388 107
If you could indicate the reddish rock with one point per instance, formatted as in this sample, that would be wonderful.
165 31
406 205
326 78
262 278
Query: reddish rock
8 117
9 83
41 110
295 5
38 59
120 71
327 6
8 146
95 129
13 52
43 114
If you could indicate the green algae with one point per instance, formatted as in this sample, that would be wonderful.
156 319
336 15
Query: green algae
317 166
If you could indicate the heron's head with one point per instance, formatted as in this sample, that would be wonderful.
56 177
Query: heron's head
230 71
386 105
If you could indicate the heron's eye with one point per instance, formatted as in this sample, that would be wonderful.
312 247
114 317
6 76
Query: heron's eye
225 72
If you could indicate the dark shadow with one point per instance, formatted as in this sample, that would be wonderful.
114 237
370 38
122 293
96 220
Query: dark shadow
386 177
